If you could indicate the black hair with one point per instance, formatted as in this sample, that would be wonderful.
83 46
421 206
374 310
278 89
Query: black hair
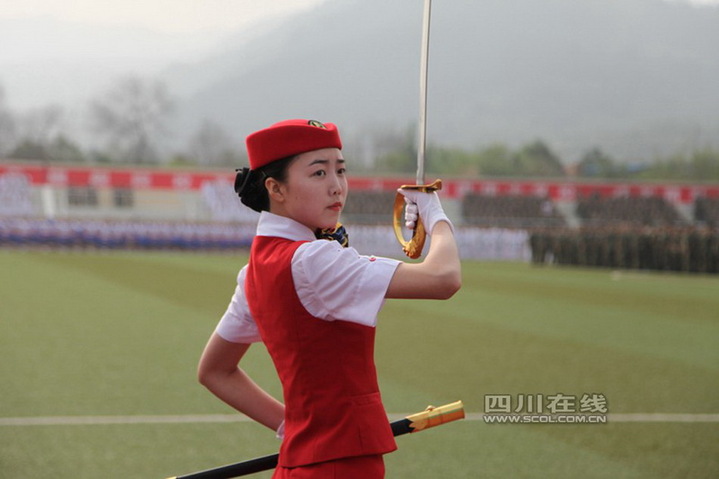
250 184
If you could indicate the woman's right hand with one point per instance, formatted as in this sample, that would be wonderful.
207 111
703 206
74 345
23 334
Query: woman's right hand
427 205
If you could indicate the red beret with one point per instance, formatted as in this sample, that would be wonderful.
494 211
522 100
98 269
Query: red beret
289 138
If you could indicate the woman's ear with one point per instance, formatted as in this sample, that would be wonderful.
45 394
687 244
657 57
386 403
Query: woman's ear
274 190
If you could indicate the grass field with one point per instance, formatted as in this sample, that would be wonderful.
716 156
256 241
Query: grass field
89 334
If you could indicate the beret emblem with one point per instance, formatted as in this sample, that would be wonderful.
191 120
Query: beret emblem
316 124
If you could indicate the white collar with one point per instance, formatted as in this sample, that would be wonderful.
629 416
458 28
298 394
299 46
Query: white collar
271 224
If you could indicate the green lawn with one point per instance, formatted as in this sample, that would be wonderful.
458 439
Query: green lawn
91 334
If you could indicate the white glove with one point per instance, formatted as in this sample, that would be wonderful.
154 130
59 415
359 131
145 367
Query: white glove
281 431
427 205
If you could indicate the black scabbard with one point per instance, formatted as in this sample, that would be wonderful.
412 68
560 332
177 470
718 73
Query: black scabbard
265 463
244 468
430 417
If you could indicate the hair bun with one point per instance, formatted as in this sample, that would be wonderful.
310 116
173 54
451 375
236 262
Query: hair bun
248 186
241 180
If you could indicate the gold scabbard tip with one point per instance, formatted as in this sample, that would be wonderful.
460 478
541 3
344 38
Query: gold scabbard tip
435 416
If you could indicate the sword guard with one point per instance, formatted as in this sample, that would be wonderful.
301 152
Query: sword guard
413 247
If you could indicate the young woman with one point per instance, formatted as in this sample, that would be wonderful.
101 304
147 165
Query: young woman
314 303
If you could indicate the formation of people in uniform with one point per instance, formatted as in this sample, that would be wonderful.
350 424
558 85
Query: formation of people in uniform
636 210
692 249
510 211
642 233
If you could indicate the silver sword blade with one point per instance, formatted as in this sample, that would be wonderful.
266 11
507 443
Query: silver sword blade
424 67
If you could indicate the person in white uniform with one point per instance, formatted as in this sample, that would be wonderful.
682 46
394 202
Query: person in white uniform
326 293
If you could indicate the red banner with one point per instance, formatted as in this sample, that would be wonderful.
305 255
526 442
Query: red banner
166 179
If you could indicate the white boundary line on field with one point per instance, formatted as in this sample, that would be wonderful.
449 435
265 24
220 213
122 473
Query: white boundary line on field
662 417
640 417
224 418
104 420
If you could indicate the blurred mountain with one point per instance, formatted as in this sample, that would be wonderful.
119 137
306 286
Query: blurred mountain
635 77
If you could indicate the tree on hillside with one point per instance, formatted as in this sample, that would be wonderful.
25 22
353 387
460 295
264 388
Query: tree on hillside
455 160
705 164
40 136
496 160
64 150
211 145
596 164
537 159
41 125
701 165
132 116
28 150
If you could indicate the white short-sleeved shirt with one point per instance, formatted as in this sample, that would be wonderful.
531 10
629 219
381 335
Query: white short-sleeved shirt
332 282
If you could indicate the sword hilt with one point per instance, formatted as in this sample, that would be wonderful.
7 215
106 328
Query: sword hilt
413 247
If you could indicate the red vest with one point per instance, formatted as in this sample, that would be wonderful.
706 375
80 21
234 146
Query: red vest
333 407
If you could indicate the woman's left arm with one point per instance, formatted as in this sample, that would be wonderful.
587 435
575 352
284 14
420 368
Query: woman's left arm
218 371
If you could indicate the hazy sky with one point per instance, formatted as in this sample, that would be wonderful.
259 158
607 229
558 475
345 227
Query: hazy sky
171 16
47 46
41 30
78 29
701 2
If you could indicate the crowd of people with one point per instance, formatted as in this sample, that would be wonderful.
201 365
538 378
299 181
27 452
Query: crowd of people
107 234
623 232
706 211
90 234
15 195
667 248
510 211
487 244
635 210
223 204
368 207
